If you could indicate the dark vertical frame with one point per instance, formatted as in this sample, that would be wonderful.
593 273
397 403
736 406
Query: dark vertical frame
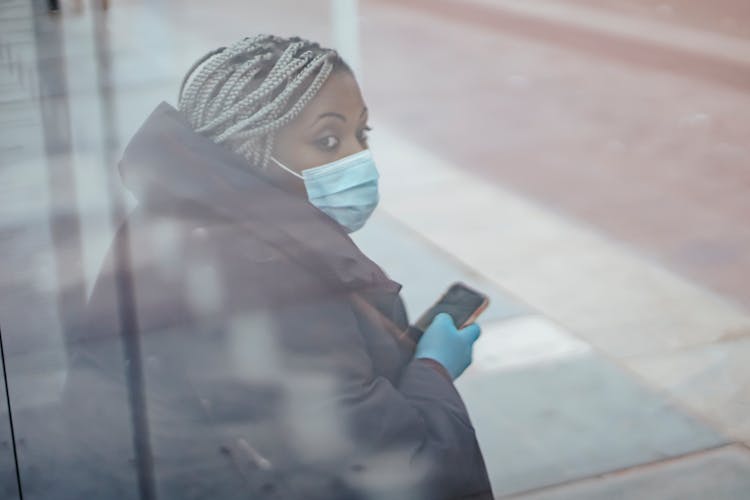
64 223
129 327
8 450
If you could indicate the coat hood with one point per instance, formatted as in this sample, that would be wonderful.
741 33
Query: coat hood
169 166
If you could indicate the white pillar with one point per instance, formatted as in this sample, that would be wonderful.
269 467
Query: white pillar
345 22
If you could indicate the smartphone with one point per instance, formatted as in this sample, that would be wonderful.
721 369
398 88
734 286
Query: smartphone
464 304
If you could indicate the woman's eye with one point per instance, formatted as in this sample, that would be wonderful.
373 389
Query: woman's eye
328 143
363 134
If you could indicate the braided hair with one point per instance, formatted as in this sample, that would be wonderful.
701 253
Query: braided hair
246 92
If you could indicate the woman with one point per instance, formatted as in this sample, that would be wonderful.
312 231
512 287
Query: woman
263 355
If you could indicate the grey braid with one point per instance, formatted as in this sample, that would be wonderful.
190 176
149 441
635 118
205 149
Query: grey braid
244 93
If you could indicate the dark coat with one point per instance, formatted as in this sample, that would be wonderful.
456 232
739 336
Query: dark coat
275 356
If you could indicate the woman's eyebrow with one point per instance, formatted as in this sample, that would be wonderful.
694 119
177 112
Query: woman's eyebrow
323 115
336 115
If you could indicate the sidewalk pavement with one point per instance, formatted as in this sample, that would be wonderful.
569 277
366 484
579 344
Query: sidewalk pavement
551 406
649 157
603 251
725 17
640 40
720 473
671 333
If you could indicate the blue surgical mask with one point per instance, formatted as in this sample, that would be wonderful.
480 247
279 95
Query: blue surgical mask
346 189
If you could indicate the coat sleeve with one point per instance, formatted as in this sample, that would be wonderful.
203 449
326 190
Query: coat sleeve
413 437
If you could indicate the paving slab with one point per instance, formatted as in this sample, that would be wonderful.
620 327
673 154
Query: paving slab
721 474
8 485
713 380
567 413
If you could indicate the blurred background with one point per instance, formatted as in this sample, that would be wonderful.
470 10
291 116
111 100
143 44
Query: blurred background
585 162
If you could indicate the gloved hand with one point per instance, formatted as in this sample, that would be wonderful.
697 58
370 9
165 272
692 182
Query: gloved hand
447 345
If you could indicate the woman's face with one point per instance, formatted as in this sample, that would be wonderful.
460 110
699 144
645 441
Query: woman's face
332 125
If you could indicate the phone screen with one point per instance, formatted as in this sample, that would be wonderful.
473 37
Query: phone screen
460 301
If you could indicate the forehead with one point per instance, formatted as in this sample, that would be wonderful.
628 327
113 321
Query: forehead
339 94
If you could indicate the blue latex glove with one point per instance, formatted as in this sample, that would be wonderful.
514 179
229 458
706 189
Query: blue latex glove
447 345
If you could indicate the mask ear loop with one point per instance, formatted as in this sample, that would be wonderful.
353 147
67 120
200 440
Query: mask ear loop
277 162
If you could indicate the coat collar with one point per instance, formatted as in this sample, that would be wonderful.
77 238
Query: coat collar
167 164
